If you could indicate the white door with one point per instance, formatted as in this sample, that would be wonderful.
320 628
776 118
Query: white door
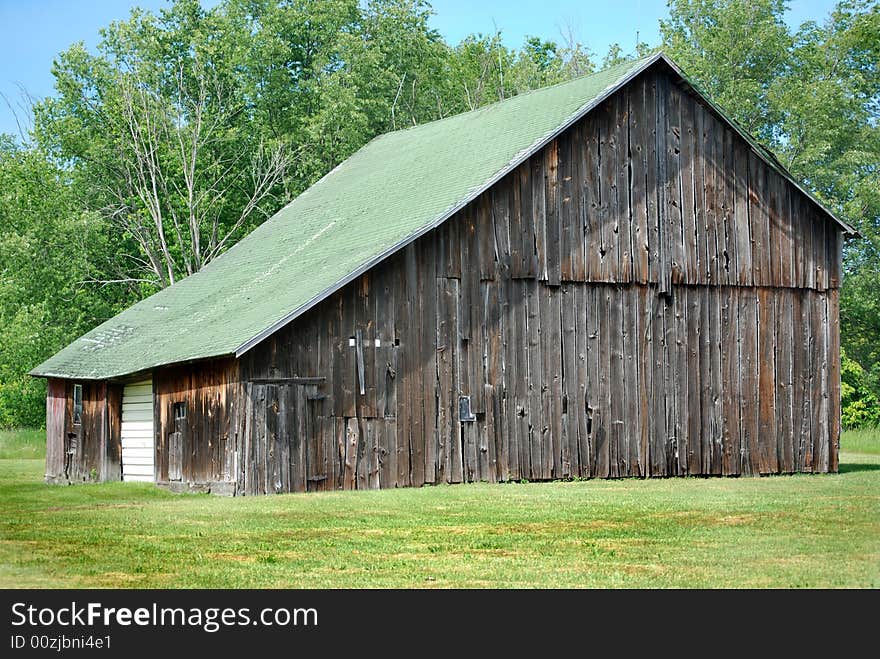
137 432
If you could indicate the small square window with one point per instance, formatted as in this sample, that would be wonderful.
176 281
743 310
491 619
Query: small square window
179 411
77 403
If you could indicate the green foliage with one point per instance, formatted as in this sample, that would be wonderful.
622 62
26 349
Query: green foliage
860 405
48 249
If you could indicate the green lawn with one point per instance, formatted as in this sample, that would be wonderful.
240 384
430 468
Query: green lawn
798 531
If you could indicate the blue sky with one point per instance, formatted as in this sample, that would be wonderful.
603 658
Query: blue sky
33 32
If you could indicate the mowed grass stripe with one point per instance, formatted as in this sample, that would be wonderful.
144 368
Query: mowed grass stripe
784 531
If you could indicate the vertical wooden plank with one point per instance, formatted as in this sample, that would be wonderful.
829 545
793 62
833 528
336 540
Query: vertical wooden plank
798 369
565 205
570 393
387 454
511 337
731 261
820 229
532 442
602 418
352 441
475 346
644 341
694 397
652 188
511 196
617 377
540 213
659 437
700 170
774 220
632 376
749 366
674 188
490 444
712 215
742 231
274 439
551 342
759 221
374 443
833 356
623 218
506 208
416 370
551 208
576 227
732 381
407 341
784 387
819 382
501 221
593 385
486 233
424 461
663 187
590 173
581 465
638 149
608 217
670 385
448 457
717 386
688 204
704 294
526 221
768 440
834 241
682 407
56 392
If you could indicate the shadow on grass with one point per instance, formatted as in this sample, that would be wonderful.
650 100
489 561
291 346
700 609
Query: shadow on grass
851 467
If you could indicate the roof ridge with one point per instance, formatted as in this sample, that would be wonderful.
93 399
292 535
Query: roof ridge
626 65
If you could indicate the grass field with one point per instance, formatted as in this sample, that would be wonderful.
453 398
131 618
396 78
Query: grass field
783 531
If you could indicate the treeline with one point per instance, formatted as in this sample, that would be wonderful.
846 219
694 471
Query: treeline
185 129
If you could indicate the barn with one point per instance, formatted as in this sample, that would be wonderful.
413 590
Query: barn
605 278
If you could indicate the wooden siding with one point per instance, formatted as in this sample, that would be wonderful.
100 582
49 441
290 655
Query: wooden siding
89 450
199 449
643 298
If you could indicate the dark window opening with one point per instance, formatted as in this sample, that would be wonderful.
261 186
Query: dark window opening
179 411
77 403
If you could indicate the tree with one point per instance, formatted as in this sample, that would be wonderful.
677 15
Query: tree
48 249
154 128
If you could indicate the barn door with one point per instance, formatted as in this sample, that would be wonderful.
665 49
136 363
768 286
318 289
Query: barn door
281 449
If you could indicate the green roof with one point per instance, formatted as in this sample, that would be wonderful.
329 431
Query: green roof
394 189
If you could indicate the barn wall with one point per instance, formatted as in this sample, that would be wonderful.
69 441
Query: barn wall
643 298
89 450
198 451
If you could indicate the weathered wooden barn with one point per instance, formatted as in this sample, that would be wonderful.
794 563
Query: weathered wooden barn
604 278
